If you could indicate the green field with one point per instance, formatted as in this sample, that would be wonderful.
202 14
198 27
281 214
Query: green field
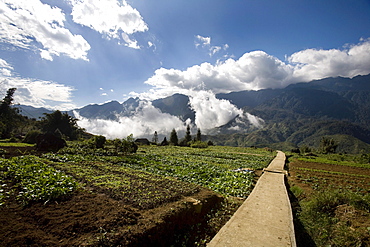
146 179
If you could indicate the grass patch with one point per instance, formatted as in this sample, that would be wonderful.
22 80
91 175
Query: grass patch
15 144
326 217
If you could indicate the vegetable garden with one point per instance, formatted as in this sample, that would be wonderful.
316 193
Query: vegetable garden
152 179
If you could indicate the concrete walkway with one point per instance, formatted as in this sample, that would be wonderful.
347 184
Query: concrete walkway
265 218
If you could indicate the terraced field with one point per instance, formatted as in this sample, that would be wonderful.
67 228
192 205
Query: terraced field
332 199
86 197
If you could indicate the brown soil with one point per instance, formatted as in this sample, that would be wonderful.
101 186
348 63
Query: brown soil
89 219
346 177
19 151
96 218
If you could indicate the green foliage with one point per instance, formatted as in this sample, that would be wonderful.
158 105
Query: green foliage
14 144
305 149
35 180
338 159
211 167
10 119
187 138
328 145
297 191
319 218
114 176
199 144
199 136
66 124
99 141
31 136
174 140
124 146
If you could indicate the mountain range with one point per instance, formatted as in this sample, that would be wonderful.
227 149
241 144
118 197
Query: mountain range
300 114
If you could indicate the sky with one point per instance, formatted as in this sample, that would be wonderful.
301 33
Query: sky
66 54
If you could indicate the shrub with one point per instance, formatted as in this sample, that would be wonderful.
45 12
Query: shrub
199 144
99 141
318 215
31 137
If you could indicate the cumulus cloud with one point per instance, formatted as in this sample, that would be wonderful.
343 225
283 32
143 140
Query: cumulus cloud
254 70
30 24
37 93
313 64
258 70
112 18
211 112
142 123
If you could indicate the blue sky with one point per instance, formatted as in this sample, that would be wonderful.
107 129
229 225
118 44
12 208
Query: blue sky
67 54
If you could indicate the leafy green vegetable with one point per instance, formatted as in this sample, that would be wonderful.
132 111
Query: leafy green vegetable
35 180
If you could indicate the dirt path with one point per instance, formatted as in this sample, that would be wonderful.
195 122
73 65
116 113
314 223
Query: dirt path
265 218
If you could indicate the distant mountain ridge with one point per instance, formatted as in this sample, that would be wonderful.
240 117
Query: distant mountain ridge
299 114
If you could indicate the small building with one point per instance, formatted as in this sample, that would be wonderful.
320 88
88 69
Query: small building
142 141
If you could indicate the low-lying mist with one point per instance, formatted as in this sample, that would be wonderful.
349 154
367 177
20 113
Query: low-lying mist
210 112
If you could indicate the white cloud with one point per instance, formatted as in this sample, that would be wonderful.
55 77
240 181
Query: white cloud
211 112
5 68
129 42
110 18
313 64
30 24
205 43
37 93
143 123
202 41
258 70
254 70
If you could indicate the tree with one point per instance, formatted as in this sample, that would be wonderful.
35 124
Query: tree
66 124
126 145
199 136
164 142
9 117
174 140
187 135
328 145
155 137
99 141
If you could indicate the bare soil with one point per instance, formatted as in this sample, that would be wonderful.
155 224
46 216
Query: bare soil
19 151
91 217
334 176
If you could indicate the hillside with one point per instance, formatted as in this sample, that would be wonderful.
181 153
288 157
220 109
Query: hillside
299 114
302 113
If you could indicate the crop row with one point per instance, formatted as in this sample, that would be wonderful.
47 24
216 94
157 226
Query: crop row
336 160
137 188
211 168
34 180
332 172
